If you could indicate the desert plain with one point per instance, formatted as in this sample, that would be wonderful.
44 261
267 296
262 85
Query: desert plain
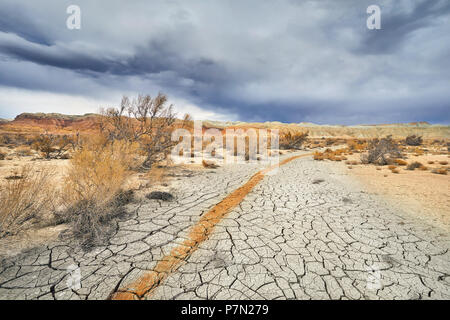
328 223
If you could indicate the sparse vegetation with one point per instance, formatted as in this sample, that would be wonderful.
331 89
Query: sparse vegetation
333 155
52 146
145 120
209 164
24 198
400 162
382 152
289 140
439 171
93 187
413 140
414 165
159 195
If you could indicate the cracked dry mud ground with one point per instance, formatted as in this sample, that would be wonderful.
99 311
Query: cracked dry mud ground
293 237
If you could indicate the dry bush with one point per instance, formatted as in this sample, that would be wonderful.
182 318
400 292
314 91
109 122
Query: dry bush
413 140
92 193
333 155
430 162
209 164
2 155
392 167
444 163
44 145
418 151
381 152
24 198
23 151
356 145
294 140
157 175
145 120
319 156
414 165
400 162
53 146
395 171
439 171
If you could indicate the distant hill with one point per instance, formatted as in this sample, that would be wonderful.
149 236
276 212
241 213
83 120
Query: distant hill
51 122
61 123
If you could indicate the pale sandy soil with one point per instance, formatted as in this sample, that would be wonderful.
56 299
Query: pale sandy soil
419 192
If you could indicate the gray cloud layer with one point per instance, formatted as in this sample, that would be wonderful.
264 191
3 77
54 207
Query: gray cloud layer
280 60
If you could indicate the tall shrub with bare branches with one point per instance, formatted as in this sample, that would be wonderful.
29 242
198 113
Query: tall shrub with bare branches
146 120
92 186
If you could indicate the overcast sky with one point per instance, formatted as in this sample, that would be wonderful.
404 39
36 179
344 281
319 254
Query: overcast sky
247 60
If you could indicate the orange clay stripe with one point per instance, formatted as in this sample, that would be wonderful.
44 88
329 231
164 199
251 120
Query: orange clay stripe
146 284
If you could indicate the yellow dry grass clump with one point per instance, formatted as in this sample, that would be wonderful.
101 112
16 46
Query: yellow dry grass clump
333 155
92 192
400 162
23 197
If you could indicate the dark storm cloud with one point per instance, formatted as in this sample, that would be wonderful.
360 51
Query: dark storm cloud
14 19
290 61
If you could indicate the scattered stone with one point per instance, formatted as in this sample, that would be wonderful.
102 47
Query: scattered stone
160 195
347 200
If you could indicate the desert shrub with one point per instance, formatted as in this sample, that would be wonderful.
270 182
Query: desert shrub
333 155
24 198
44 145
439 171
23 151
209 164
400 162
413 140
381 152
430 162
414 165
392 167
318 156
294 140
52 146
159 195
356 145
145 120
2 155
395 171
93 187
444 163
329 141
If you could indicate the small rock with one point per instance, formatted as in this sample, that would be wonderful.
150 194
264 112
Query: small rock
160 195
